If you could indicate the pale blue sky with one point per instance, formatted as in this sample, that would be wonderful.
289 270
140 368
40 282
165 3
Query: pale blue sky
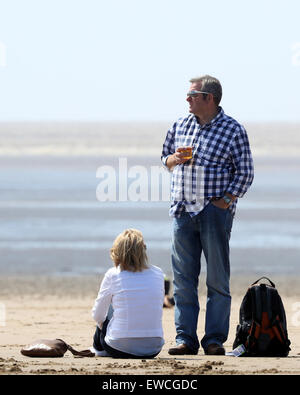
132 60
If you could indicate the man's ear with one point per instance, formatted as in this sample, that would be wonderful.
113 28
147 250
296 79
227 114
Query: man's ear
210 97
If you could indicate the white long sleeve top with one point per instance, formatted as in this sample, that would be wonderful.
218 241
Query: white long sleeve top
137 301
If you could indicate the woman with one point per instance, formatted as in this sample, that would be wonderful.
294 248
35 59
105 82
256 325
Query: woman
128 309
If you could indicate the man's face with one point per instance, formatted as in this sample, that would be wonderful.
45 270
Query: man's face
197 104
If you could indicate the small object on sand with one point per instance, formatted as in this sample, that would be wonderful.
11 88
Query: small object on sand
168 302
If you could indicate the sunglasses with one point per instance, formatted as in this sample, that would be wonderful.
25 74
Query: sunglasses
196 93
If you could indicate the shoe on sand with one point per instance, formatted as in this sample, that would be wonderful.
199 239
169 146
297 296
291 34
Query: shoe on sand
182 349
215 349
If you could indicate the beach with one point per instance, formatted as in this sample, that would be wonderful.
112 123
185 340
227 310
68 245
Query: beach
49 308
58 224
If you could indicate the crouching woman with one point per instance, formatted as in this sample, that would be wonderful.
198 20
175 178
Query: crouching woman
129 306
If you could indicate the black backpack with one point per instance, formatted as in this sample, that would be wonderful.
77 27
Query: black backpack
262 329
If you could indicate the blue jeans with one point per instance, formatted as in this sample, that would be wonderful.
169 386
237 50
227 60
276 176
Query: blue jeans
99 342
209 231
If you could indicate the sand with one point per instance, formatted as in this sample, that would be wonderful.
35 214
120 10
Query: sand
58 307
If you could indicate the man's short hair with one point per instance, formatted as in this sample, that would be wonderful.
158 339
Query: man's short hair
211 85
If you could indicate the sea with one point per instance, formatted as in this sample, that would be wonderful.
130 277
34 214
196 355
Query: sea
67 189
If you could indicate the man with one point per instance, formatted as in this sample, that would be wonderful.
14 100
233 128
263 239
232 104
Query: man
204 192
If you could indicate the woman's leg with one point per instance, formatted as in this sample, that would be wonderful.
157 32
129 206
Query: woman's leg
120 354
99 343
99 336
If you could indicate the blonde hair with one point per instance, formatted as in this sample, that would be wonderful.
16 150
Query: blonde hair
129 251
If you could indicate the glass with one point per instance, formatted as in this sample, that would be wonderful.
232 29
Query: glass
187 151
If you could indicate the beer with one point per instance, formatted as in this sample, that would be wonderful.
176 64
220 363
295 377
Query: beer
187 151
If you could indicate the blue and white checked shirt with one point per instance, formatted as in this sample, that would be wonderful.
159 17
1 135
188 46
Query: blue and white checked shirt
222 162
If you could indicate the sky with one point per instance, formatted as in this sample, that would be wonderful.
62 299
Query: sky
131 60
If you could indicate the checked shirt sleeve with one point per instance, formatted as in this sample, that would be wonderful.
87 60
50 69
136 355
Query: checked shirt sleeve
169 146
243 163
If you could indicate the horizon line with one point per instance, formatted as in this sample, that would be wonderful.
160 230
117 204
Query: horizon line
3 121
